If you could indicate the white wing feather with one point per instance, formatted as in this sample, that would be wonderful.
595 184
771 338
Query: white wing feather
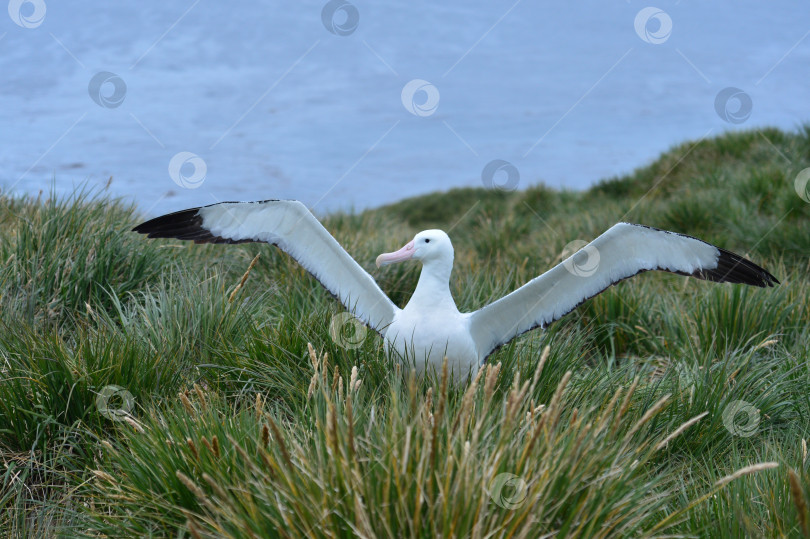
290 226
621 252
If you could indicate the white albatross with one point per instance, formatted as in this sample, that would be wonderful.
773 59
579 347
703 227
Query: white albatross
430 326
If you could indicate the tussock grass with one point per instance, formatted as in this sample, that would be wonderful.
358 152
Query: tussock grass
147 388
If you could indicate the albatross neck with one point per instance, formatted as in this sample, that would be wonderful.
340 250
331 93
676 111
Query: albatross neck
433 288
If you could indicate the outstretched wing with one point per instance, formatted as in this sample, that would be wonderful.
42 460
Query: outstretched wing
621 252
290 226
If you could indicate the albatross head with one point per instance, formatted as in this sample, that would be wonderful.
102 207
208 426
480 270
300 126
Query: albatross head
429 246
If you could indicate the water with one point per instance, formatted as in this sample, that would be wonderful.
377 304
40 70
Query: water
275 106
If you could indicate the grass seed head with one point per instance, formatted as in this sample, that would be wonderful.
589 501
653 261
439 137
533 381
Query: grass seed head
649 414
662 444
313 357
312 385
353 380
200 396
190 485
207 444
765 344
215 486
748 470
244 278
137 427
491 380
104 476
265 435
192 447
187 404
259 406
539 369
799 500
193 531
335 378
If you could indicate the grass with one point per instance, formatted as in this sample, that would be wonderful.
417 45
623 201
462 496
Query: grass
143 392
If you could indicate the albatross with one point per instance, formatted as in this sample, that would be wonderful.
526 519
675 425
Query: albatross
430 327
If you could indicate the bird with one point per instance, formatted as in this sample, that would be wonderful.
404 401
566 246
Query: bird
430 330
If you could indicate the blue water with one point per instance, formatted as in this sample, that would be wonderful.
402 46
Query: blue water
267 102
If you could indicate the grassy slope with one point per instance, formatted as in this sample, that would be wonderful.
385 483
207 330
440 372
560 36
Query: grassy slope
237 431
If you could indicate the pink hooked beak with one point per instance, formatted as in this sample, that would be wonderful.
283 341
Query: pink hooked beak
405 253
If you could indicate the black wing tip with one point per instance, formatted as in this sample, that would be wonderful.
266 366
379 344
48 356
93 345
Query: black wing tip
188 225
182 216
182 225
733 268
167 225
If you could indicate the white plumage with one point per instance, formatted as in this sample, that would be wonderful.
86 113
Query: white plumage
430 326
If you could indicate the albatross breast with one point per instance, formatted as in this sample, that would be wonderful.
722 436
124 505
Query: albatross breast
423 338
